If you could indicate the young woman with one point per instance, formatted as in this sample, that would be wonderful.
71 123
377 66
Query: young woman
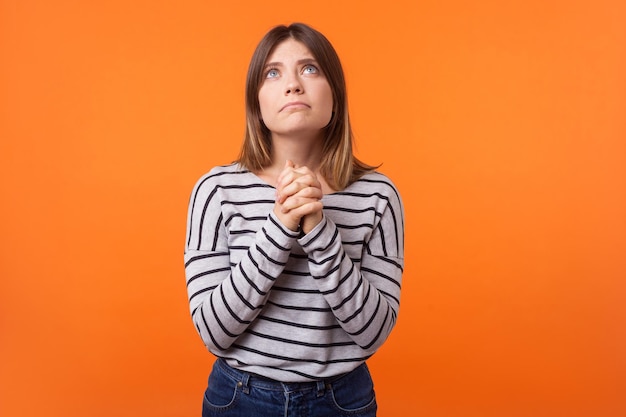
294 253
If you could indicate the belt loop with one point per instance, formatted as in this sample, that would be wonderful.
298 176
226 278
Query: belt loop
245 379
321 385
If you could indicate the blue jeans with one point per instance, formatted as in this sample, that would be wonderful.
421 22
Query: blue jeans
232 393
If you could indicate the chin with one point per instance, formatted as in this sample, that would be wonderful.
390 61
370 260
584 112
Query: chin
300 129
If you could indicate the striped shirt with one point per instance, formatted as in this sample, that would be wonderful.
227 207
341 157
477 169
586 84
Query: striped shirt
285 305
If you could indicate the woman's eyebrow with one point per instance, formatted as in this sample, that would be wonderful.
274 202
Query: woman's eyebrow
299 62
273 64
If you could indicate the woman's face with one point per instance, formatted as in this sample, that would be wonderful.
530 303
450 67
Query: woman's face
295 97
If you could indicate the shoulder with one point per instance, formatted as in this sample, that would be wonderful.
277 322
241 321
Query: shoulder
225 182
376 183
219 177
224 175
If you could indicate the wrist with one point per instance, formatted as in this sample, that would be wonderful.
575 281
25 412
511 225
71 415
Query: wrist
286 220
309 222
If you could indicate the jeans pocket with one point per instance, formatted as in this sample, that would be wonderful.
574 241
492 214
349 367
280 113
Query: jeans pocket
354 393
221 391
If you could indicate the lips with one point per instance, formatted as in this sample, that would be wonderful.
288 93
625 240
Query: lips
294 105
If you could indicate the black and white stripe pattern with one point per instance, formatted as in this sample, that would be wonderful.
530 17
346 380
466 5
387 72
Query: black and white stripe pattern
286 306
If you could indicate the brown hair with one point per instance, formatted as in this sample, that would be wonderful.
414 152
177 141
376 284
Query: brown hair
339 166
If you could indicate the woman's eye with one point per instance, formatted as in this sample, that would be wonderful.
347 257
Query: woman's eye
310 69
272 73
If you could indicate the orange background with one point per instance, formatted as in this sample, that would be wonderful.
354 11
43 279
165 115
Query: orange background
503 124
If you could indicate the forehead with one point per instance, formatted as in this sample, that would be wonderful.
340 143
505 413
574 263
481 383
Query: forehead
289 50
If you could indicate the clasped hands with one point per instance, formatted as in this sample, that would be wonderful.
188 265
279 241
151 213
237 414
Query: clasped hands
298 198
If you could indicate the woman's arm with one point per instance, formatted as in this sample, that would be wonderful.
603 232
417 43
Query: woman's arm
364 298
223 298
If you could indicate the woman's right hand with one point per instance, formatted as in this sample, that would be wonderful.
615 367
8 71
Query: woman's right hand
298 194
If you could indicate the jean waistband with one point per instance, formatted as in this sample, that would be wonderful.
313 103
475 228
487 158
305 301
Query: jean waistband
247 379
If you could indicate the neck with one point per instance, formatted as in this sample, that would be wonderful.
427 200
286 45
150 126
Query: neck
302 151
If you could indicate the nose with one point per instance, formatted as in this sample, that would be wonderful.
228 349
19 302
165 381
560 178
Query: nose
293 85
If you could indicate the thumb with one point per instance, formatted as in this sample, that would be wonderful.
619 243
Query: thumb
288 164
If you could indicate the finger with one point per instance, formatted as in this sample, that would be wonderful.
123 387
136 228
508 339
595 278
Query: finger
309 180
286 178
295 171
304 170
302 207
289 165
284 187
305 196
291 182
302 187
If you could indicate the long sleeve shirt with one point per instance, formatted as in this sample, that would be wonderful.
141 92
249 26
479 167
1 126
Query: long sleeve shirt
285 305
